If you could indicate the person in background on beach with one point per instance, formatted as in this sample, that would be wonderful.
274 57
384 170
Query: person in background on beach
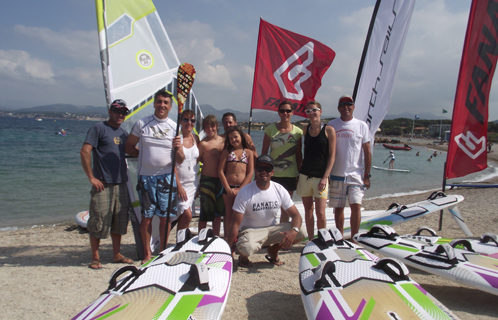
105 141
236 169
350 175
490 145
319 156
186 168
254 221
230 120
284 141
154 135
210 187
391 163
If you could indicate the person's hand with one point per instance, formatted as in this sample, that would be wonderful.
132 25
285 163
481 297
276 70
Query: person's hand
97 184
182 194
322 184
177 142
288 240
366 182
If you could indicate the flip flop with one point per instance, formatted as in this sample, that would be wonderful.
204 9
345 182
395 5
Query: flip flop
95 264
124 260
244 264
276 262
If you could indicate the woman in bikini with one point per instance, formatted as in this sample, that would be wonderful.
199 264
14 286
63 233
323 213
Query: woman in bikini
235 170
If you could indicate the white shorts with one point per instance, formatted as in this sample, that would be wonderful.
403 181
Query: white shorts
308 187
343 189
190 189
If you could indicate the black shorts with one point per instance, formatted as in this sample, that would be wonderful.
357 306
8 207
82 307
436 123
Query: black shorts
288 183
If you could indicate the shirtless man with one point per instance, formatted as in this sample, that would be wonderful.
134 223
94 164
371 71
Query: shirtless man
210 187
229 120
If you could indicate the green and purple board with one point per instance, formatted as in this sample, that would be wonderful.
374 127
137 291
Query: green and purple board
188 281
460 265
340 280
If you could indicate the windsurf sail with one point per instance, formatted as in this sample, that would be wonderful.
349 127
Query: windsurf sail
289 67
137 57
469 125
379 61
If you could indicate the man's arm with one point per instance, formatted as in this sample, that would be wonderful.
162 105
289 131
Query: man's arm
368 163
130 146
296 222
86 163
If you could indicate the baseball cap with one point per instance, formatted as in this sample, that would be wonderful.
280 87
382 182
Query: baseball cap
264 159
345 98
118 104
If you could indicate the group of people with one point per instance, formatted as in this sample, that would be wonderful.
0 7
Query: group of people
335 165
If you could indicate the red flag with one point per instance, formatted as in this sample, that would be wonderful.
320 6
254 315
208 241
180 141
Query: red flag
467 146
289 67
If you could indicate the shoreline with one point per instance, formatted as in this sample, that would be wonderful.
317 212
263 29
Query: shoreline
58 256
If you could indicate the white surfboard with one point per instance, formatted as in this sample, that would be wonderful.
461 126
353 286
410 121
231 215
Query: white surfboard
392 170
188 281
460 265
340 280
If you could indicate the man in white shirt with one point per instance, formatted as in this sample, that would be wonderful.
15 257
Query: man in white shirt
350 175
254 218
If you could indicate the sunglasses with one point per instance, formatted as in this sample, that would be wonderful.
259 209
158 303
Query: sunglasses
265 169
121 112
285 110
186 120
343 104
310 111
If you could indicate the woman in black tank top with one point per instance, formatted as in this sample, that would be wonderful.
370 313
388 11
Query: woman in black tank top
319 156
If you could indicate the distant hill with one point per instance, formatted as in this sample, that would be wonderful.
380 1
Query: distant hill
66 108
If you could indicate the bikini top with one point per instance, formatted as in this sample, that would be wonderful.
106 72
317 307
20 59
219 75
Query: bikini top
232 158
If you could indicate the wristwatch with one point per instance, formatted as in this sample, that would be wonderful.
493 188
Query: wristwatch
368 176
295 229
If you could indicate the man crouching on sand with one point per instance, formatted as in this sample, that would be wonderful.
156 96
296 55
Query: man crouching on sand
255 217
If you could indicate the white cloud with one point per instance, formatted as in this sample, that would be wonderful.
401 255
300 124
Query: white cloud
76 44
90 78
19 64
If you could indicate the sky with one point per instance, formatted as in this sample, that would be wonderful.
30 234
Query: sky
49 50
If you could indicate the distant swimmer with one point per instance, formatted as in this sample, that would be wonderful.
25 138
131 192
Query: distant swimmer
430 158
435 154
418 153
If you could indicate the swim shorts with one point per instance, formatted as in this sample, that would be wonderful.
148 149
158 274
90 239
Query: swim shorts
251 240
211 192
153 193
108 211
343 189
308 187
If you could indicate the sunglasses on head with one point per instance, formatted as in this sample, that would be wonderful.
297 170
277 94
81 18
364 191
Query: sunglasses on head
186 120
266 169
310 111
123 112
343 104
285 110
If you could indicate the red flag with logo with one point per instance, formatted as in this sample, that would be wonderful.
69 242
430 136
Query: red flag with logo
288 67
469 126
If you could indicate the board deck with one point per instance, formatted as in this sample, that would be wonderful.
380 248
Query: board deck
391 170
188 281
340 280
460 265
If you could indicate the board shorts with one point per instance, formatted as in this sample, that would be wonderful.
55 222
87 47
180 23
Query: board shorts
211 198
153 193
289 183
308 187
251 240
108 211
344 189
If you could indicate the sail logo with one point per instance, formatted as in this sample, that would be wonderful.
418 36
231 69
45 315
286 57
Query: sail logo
469 144
144 59
284 74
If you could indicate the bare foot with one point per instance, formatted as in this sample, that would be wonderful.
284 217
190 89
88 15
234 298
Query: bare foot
244 262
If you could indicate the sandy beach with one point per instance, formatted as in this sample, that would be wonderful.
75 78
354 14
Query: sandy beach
44 271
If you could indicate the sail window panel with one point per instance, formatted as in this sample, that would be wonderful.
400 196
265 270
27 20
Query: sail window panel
163 41
120 29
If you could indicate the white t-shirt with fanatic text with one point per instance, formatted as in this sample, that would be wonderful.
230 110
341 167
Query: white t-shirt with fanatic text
155 145
350 137
260 207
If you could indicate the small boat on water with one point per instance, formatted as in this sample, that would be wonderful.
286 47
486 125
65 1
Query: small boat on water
394 147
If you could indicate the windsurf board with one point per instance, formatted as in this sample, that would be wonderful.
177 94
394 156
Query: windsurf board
188 281
340 280
460 265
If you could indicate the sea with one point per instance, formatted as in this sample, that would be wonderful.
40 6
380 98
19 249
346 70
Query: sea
42 181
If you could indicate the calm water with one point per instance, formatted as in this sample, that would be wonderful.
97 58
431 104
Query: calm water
42 181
